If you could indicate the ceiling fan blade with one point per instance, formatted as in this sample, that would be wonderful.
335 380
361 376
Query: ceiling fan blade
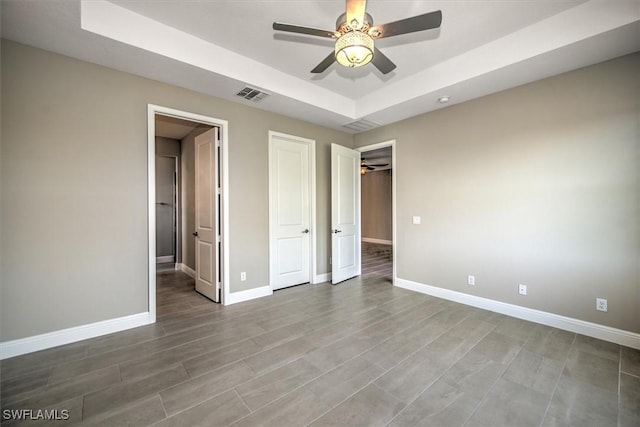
326 62
381 62
356 10
369 168
422 22
303 30
379 165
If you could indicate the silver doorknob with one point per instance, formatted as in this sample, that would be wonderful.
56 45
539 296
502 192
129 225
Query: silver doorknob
337 231
305 231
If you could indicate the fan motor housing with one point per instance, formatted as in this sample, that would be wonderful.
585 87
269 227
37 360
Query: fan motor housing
343 27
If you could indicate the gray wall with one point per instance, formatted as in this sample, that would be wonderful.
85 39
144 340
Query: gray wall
537 185
376 205
167 147
187 159
74 174
171 148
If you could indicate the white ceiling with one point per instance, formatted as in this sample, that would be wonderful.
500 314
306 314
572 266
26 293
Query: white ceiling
217 47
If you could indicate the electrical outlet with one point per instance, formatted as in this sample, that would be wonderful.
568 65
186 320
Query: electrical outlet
522 289
471 280
416 220
601 304
243 276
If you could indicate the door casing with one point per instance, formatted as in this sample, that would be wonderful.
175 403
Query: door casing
391 143
152 110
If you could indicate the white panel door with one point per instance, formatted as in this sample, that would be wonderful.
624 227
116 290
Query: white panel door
289 211
345 213
207 231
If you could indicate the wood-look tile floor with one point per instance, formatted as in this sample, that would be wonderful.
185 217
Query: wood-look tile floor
359 353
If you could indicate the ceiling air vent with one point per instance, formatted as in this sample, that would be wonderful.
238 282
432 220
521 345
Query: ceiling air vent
252 94
361 125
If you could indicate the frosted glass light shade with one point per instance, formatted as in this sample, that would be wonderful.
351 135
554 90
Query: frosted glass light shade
354 49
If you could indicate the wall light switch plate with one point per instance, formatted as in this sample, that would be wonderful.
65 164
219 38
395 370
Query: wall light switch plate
471 280
417 220
522 289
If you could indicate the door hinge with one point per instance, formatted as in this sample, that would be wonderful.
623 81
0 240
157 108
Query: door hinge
219 239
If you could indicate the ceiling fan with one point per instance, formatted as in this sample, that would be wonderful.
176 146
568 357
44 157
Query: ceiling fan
355 34
364 166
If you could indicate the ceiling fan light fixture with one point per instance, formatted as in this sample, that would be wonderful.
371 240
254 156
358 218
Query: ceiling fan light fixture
354 49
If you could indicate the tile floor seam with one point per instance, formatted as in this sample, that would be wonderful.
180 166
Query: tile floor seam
502 372
485 396
235 390
331 408
443 372
164 409
506 368
629 374
555 387
314 379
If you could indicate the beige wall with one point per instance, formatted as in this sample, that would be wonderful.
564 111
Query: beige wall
74 175
537 185
376 205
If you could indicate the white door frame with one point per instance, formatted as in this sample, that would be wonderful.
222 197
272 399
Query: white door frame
152 110
392 144
313 273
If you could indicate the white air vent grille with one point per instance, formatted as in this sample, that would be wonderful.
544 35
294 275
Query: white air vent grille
252 94
361 125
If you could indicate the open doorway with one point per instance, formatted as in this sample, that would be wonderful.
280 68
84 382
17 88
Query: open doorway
378 211
174 249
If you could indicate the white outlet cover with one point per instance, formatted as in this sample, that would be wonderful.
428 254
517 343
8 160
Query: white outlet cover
471 280
522 289
601 304
417 220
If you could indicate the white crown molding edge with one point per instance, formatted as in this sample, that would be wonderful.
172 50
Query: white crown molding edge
594 330
70 335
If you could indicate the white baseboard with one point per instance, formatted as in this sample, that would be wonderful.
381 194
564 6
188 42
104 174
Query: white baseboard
187 270
607 333
70 335
321 278
379 241
164 259
236 297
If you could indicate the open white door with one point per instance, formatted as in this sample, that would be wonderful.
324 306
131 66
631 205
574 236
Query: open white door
345 213
207 225
290 207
